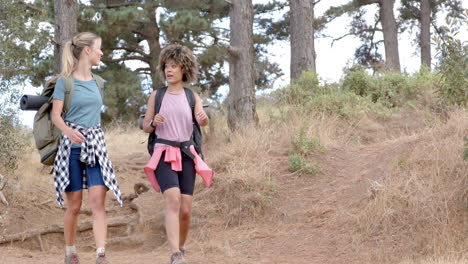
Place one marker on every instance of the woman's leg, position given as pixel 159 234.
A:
pixel 187 185
pixel 185 217
pixel 71 216
pixel 172 199
pixel 97 197
pixel 74 195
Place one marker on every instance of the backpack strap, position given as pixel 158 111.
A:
pixel 100 84
pixel 196 135
pixel 158 99
pixel 191 99
pixel 69 83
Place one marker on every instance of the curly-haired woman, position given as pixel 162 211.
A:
pixel 175 161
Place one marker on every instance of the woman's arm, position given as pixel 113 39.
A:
pixel 75 136
pixel 150 115
pixel 200 115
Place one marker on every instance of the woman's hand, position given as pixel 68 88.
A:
pixel 158 119
pixel 201 117
pixel 75 136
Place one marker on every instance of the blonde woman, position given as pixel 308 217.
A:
pixel 82 160
pixel 175 161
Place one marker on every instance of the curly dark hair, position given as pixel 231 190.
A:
pixel 182 56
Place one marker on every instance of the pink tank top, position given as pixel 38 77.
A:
pixel 178 124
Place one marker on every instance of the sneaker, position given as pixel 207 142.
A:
pixel 101 259
pixel 182 250
pixel 72 259
pixel 178 258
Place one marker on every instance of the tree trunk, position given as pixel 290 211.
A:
pixel 425 37
pixel 241 100
pixel 302 37
pixel 65 27
pixel 390 35
pixel 314 55
pixel 154 46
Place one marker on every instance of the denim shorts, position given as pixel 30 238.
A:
pixel 77 170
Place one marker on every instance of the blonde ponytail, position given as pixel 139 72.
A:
pixel 68 60
pixel 72 51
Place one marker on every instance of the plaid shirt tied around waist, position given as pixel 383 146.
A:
pixel 93 150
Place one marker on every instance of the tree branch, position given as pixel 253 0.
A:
pixel 126 58
pixel 143 70
pixel 367 2
pixel 355 33
pixel 113 5
pixel 30 6
pixel 142 53
pixel 233 51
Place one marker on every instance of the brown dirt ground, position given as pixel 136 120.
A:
pixel 311 220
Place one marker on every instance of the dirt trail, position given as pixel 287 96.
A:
pixel 312 219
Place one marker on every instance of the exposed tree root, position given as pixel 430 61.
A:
pixel 129 221
pixel 58 228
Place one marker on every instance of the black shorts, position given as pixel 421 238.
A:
pixel 184 180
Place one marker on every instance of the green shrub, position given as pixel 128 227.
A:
pixel 302 144
pixel 301 89
pixel 297 163
pixel 390 89
pixel 360 83
pixel 309 95
pixel 453 65
pixel 11 142
pixel 343 103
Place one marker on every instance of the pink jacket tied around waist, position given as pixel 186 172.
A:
pixel 174 156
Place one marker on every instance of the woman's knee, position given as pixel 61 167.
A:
pixel 185 212
pixel 173 203
pixel 74 207
pixel 97 204
pixel 97 198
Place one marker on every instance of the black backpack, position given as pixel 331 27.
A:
pixel 196 134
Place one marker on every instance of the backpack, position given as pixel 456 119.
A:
pixel 196 134
pixel 45 133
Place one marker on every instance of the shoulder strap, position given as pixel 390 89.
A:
pixel 69 83
pixel 100 83
pixel 191 98
pixel 158 99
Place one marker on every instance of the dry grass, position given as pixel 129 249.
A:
pixel 125 139
pixel 421 208
pixel 419 211
pixel 246 162
pixel 439 260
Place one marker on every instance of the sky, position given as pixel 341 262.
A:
pixel 330 59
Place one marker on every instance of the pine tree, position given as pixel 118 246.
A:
pixel 65 12
pixel 22 42
pixel 241 100
pixel 423 13
pixel 302 37
pixel 367 54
